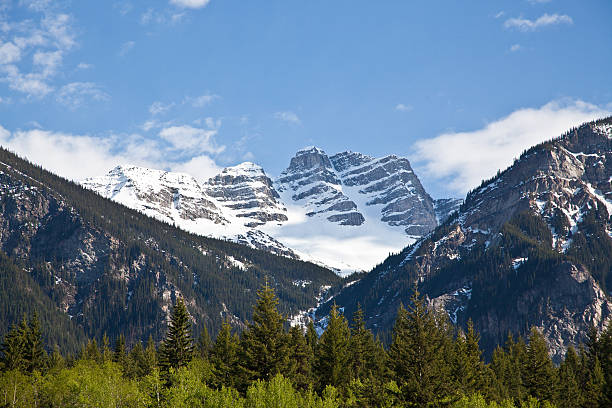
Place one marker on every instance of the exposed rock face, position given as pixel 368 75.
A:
pixel 531 247
pixel 164 194
pixel 345 196
pixel 249 192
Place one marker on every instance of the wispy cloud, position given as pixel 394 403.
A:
pixel 76 94
pixel 158 108
pixel 202 100
pixel 84 65
pixel 515 47
pixel 525 24
pixel 126 47
pixel 288 116
pixel 400 107
pixel 192 4
pixel 33 56
pixel 189 138
pixel 539 1
pixel 500 14
pixel 463 159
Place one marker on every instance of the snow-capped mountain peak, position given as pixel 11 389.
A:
pixel 347 211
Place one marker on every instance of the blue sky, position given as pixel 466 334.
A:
pixel 195 85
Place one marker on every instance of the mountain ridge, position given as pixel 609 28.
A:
pixel 375 202
pixel 531 246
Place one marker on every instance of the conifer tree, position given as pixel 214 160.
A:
pixel 119 352
pixel 13 350
pixel 300 359
pixel 204 344
pixel 177 348
pixel 332 357
pixel 417 355
pixel 312 338
pixel 539 372
pixel 150 355
pixel 35 354
pixel 569 394
pixel 366 359
pixel 264 342
pixel 224 357
pixel 469 368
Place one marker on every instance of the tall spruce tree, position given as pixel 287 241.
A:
pixel 469 367
pixel 177 348
pixel 300 359
pixel 264 342
pixel 569 394
pixel 539 371
pixel 13 350
pixel 332 356
pixel 418 355
pixel 366 359
pixel 224 357
pixel 35 353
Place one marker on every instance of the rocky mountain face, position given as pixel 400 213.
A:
pixel 316 210
pixel 90 266
pixel 530 247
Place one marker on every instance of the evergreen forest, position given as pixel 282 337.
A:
pixel 428 363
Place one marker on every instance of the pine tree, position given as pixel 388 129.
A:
pixel 35 354
pixel 312 338
pixel 539 372
pixel 224 357
pixel 469 370
pixel 605 345
pixel 332 357
pixel 300 359
pixel 569 394
pixel 204 344
pixel 14 350
pixel 366 359
pixel 119 352
pixel 150 355
pixel 177 349
pixel 264 342
pixel 417 355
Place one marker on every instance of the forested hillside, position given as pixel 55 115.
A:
pixel 428 363
pixel 532 246
pixel 93 267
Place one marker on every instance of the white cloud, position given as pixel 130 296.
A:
pixel 80 156
pixel 84 65
pixel 46 36
pixel 9 53
pixel 48 61
pixel 202 100
pixel 193 4
pixel 524 24
pixel 76 94
pixel 499 15
pixel 158 108
pixel 400 107
pixel 463 159
pixel 538 1
pixel 201 167
pixel 288 116
pixel 515 47
pixel 126 47
pixel 189 138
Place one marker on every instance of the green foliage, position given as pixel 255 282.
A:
pixel 332 361
pixel 177 349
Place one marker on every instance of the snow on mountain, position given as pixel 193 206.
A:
pixel 347 211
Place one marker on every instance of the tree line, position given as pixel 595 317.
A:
pixel 428 363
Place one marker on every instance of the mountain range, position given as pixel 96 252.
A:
pixel 531 246
pixel 347 211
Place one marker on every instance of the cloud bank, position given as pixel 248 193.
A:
pixel 178 148
pixel 461 160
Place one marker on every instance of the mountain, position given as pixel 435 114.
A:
pixel 530 247
pixel 90 266
pixel 347 211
